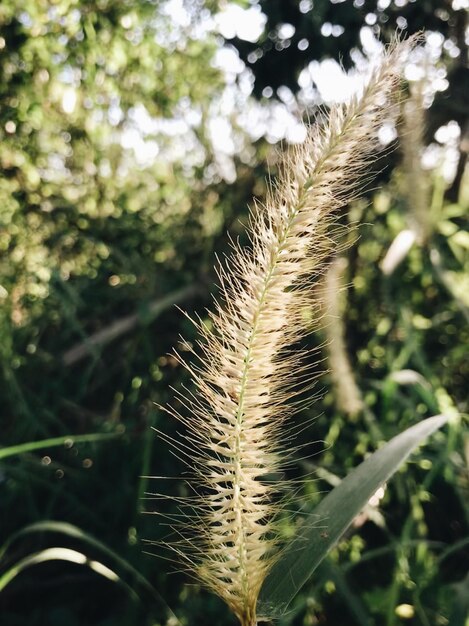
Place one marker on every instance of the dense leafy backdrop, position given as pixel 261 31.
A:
pixel 113 202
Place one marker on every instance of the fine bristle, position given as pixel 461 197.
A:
pixel 245 373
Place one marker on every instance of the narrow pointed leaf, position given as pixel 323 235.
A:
pixel 334 515
pixel 61 554
pixel 54 442
pixel 122 569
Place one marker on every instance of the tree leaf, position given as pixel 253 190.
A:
pixel 334 515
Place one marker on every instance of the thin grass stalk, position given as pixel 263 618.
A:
pixel 348 397
pixel 245 370
pixel 417 182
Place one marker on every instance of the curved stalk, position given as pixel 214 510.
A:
pixel 247 372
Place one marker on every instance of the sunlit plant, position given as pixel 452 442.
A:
pixel 246 371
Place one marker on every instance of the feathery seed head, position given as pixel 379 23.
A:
pixel 246 375
pixel 416 180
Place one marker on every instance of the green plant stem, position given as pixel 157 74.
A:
pixel 54 442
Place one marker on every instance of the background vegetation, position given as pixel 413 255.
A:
pixel 132 139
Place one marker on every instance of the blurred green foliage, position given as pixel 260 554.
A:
pixel 109 213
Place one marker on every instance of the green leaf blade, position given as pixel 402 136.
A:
pixel 117 569
pixel 54 442
pixel 334 515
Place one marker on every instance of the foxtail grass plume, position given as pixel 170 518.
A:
pixel 348 399
pixel 416 182
pixel 246 372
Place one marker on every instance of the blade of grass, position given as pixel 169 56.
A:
pixel 333 516
pixel 61 554
pixel 75 533
pixel 31 446
pixel 438 467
